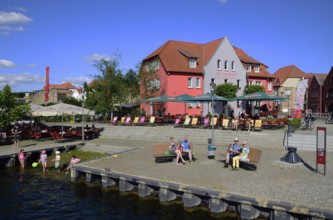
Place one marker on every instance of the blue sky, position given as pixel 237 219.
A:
pixel 68 35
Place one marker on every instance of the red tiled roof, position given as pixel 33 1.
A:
pixel 246 59
pixel 175 55
pixel 66 85
pixel 289 72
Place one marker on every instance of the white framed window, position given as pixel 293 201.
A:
pixel 258 83
pixel 218 64
pixel 189 83
pixel 238 81
pixel 269 86
pixel 250 82
pixel 226 65
pixel 225 80
pixel 197 82
pixel 256 68
pixel 193 104
pixel 233 68
pixel 248 67
pixel 193 63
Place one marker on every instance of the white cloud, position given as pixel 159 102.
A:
pixel 12 21
pixel 13 18
pixel 6 64
pixel 20 80
pixel 96 57
pixel 17 8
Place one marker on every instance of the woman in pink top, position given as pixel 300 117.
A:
pixel 74 160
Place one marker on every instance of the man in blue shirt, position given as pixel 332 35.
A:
pixel 233 151
pixel 186 148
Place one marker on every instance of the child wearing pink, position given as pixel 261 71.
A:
pixel 43 160
pixel 74 160
pixel 21 156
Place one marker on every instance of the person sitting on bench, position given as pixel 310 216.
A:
pixel 175 150
pixel 233 151
pixel 186 148
pixel 244 156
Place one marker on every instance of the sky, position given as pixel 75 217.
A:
pixel 71 35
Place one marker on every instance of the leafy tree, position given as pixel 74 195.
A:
pixel 108 87
pixel 254 88
pixel 72 101
pixel 227 90
pixel 132 84
pixel 10 110
pixel 149 80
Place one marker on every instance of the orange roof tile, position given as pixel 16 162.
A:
pixel 289 72
pixel 175 55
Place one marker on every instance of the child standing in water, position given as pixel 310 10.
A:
pixel 57 161
pixel 43 160
pixel 74 160
pixel 21 157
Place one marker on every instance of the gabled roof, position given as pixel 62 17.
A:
pixel 175 55
pixel 289 72
pixel 320 77
pixel 245 58
pixel 66 85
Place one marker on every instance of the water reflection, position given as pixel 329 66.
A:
pixel 27 194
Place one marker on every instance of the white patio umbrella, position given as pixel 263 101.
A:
pixel 62 109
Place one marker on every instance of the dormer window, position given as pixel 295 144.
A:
pixel 248 67
pixel 193 63
pixel 256 68
pixel 226 65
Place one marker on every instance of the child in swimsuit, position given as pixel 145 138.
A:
pixel 21 157
pixel 43 160
pixel 57 161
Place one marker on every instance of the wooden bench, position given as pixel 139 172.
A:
pixel 254 158
pixel 160 156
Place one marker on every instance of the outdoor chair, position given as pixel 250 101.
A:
pixel 122 121
pixel 152 120
pixel 213 121
pixel 135 121
pixel 225 124
pixel 114 120
pixel 187 122
pixel 142 120
pixel 128 120
pixel 205 123
pixel 176 124
pixel 194 122
pixel 258 125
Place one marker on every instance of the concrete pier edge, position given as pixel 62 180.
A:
pixel 250 207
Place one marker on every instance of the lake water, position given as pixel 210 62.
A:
pixel 29 195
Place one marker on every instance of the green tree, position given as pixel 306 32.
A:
pixel 72 101
pixel 108 87
pixel 131 80
pixel 254 88
pixel 227 90
pixel 149 79
pixel 10 110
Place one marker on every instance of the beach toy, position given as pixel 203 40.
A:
pixel 34 164
pixel 167 152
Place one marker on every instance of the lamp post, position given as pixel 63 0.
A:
pixel 212 90
pixel 287 92
pixel 83 116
